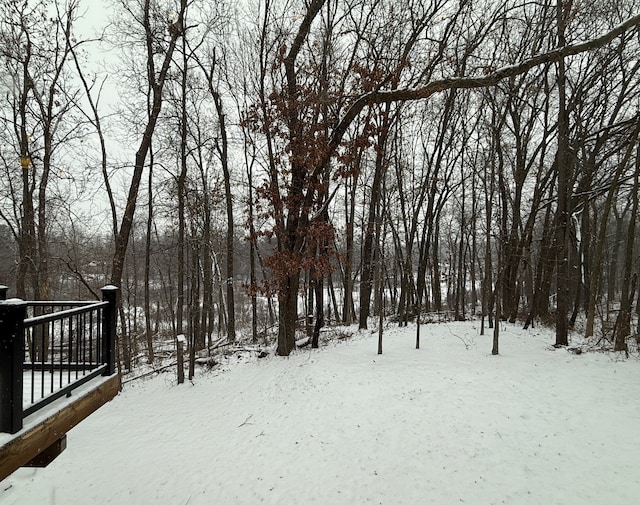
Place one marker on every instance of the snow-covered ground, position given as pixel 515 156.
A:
pixel 446 424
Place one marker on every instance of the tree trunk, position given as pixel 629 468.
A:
pixel 157 85
pixel 319 319
pixel 193 314
pixel 147 266
pixel 435 269
pixel 460 290
pixel 366 276
pixel 288 313
pixel 223 151
pixel 605 210
pixel 623 325
pixel 253 281
pixel 614 254
pixel 487 282
pixel 350 204
pixel 182 198
pixel 564 188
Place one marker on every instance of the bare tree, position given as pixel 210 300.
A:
pixel 156 36
pixel 305 172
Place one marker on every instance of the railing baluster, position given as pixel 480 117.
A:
pixel 79 360
pixel 31 335
pixel 98 345
pixel 46 370
pixel 79 340
pixel 52 359
pixel 70 350
pixel 61 351
pixel 89 328
pixel 92 334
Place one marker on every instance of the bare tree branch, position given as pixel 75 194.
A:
pixel 473 82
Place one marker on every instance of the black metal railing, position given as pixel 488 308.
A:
pixel 49 348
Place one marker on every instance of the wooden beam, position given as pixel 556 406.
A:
pixel 27 444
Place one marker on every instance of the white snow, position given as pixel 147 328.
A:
pixel 446 424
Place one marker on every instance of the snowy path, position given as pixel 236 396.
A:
pixel 443 425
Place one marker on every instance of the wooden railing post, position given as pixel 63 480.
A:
pixel 12 315
pixel 181 339
pixel 109 294
pixel 3 292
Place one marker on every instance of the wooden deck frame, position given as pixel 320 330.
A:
pixel 45 435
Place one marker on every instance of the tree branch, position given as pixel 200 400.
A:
pixel 473 82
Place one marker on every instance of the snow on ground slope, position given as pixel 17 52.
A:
pixel 446 424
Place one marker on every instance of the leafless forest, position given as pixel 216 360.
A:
pixel 255 171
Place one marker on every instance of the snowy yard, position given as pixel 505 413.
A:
pixel 446 424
